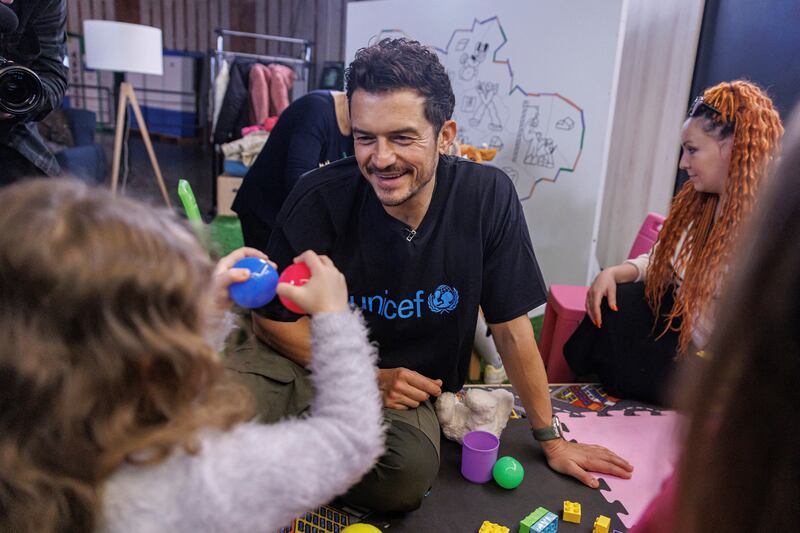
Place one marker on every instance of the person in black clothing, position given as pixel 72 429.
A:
pixel 39 44
pixel 312 131
pixel 424 239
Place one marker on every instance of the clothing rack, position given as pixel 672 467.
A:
pixel 300 62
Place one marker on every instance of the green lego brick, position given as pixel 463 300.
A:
pixel 526 523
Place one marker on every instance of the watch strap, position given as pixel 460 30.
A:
pixel 551 432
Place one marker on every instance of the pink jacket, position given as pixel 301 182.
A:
pixel 660 512
pixel 269 90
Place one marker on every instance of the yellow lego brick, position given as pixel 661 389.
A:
pixel 572 512
pixel 489 527
pixel 601 524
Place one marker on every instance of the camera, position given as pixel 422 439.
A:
pixel 20 88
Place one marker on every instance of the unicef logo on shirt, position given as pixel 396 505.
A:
pixel 443 300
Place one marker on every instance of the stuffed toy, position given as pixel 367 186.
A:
pixel 477 409
pixel 476 154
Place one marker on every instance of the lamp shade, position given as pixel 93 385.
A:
pixel 123 47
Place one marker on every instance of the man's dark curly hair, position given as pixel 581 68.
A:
pixel 395 64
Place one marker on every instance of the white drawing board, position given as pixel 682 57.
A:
pixel 536 79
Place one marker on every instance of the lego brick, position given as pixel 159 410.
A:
pixel 546 524
pixel 601 524
pixel 490 527
pixel 572 512
pixel 526 523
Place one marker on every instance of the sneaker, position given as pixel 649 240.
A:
pixel 494 375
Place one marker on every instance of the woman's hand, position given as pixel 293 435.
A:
pixel 324 292
pixel 603 286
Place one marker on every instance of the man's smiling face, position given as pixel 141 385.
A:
pixel 395 145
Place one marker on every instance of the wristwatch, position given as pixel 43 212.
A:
pixel 551 432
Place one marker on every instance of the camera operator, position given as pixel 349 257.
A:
pixel 32 35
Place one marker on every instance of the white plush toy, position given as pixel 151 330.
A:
pixel 478 410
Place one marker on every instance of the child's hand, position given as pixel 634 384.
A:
pixel 325 292
pixel 225 275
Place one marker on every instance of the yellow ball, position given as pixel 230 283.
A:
pixel 361 528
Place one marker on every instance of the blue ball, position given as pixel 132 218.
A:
pixel 259 289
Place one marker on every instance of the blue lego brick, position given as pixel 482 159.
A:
pixel 546 524
pixel 526 523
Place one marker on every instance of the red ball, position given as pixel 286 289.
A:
pixel 297 274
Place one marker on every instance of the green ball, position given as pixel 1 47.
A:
pixel 508 472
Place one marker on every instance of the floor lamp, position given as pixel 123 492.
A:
pixel 123 47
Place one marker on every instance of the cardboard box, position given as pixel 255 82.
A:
pixel 227 187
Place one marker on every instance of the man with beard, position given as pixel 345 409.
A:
pixel 424 240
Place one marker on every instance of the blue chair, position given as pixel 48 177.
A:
pixel 87 159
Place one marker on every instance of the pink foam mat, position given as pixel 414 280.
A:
pixel 648 441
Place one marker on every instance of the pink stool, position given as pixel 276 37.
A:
pixel 565 310
pixel 566 307
pixel 647 236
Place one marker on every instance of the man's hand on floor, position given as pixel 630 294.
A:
pixel 577 460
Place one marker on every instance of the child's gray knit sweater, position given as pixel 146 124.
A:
pixel 259 477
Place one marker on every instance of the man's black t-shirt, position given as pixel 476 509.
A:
pixel 420 291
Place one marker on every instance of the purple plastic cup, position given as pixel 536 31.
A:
pixel 478 455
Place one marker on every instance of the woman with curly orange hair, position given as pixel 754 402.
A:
pixel 740 442
pixel 635 332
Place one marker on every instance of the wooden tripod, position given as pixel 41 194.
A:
pixel 127 95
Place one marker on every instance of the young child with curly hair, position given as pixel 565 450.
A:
pixel 115 411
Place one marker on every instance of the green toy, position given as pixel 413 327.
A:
pixel 508 472
pixel 189 202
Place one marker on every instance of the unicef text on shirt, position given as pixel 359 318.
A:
pixel 442 300
pixel 384 306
